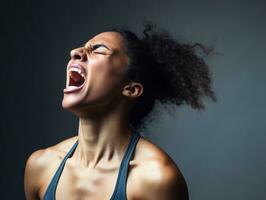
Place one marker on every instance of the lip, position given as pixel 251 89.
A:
pixel 70 89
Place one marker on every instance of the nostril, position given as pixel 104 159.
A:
pixel 76 57
pixel 78 54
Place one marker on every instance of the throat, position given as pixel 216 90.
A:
pixel 102 140
pixel 101 152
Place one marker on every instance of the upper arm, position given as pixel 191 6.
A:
pixel 33 170
pixel 166 183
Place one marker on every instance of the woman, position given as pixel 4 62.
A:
pixel 113 82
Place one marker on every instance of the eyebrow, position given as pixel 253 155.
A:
pixel 96 46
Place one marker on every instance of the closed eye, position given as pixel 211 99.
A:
pixel 96 46
pixel 99 52
pixel 99 49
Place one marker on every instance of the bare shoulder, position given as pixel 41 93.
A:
pixel 40 162
pixel 42 158
pixel 159 177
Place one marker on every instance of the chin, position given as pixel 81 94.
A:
pixel 75 106
pixel 70 102
pixel 65 104
pixel 71 107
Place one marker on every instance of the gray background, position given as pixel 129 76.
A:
pixel 221 151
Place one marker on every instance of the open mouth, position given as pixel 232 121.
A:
pixel 76 79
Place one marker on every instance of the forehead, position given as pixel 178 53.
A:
pixel 111 39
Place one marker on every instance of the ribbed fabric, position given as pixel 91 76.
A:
pixel 120 187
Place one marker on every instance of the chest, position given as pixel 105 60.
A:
pixel 91 184
pixel 79 184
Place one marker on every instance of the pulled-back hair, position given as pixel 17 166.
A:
pixel 169 71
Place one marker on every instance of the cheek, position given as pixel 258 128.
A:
pixel 105 75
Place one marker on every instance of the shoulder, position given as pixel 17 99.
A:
pixel 158 175
pixel 42 158
pixel 40 162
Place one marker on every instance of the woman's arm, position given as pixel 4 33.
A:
pixel 163 181
pixel 33 170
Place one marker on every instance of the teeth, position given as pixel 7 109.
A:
pixel 77 70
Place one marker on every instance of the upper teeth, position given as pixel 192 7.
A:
pixel 77 70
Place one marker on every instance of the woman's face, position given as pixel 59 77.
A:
pixel 95 73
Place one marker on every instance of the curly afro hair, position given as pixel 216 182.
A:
pixel 169 71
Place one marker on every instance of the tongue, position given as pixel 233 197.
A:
pixel 76 79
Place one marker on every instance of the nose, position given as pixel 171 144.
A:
pixel 79 54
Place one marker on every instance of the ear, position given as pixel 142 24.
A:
pixel 133 90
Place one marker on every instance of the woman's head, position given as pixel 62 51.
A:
pixel 96 76
pixel 160 69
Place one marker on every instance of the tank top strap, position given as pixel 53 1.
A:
pixel 120 188
pixel 50 192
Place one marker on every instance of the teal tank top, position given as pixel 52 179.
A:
pixel 120 187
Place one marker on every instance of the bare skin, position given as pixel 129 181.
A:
pixel 103 106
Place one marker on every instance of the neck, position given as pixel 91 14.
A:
pixel 102 139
